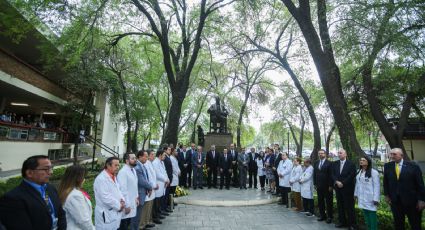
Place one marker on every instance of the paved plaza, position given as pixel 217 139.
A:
pixel 213 215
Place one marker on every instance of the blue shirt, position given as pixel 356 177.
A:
pixel 42 190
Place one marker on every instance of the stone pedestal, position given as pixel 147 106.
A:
pixel 220 140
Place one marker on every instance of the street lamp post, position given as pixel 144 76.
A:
pixel 97 119
pixel 288 139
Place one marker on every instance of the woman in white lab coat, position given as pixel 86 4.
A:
pixel 296 172
pixel 284 173
pixel 76 202
pixel 367 192
pixel 162 181
pixel 261 170
pixel 306 182
pixel 109 200
pixel 176 171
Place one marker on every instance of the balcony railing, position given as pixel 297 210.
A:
pixel 15 132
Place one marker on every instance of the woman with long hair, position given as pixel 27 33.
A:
pixel 367 191
pixel 261 171
pixel 76 202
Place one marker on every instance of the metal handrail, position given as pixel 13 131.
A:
pixel 103 146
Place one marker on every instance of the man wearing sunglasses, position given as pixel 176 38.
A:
pixel 34 204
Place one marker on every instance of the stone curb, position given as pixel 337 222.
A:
pixel 226 203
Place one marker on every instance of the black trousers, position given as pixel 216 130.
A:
pixel 225 177
pixel 284 191
pixel 182 178
pixel 235 175
pixel 212 173
pixel 308 205
pixel 345 205
pixel 166 199
pixel 400 211
pixel 252 175
pixel 262 181
pixel 156 208
pixel 325 197
pixel 125 223
pixel 188 176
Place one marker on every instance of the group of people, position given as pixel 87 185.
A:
pixel 140 194
pixel 25 120
pixel 402 181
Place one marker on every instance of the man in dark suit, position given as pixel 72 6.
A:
pixel 323 183
pixel 198 161
pixel 34 204
pixel 404 190
pixel 234 154
pixel 252 168
pixel 181 158
pixel 225 165
pixel 188 164
pixel 278 157
pixel 212 163
pixel 343 180
pixel 169 169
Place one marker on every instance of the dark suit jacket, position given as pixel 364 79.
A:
pixel 347 176
pixel 277 160
pixel 195 162
pixel 252 165
pixel 409 188
pixel 23 208
pixel 168 167
pixel 181 159
pixel 212 162
pixel 223 164
pixel 235 158
pixel 323 176
pixel 189 158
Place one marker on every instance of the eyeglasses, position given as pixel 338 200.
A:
pixel 50 168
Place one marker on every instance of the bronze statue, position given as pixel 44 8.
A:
pixel 218 117
pixel 201 139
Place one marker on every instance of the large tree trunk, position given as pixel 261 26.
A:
pixel 239 125
pixel 302 131
pixel 80 127
pixel 310 109
pixel 172 128
pixel 328 138
pixel 126 109
pixel 134 143
pixel 322 54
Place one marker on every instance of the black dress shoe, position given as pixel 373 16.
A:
pixel 321 219
pixel 209 187
pixel 194 188
pixel 201 187
pixel 168 210
pixel 329 220
pixel 161 217
pixel 255 188
pixel 157 221
pixel 164 214
pixel 149 226
pixel 340 225
pixel 228 188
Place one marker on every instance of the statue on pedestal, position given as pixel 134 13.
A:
pixel 201 139
pixel 218 117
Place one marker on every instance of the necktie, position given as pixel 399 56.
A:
pixel 397 170
pixel 199 157
pixel 213 154
pixel 321 163
pixel 225 157
pixel 342 165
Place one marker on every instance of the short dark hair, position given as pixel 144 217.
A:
pixel 31 163
pixel 126 156
pixel 159 153
pixel 109 161
pixel 323 151
pixel 141 153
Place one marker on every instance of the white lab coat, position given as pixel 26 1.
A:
pixel 367 190
pixel 152 179
pixel 307 183
pixel 108 196
pixel 161 176
pixel 260 164
pixel 295 178
pixel 128 187
pixel 78 211
pixel 176 171
pixel 284 169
